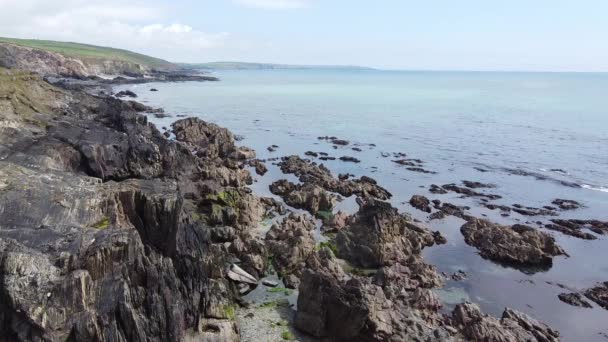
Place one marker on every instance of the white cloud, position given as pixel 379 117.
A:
pixel 136 26
pixel 275 4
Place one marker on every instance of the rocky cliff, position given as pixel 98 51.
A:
pixel 47 63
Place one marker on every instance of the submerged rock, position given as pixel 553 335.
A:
pixel 565 204
pixel 599 295
pixel 574 299
pixel 517 244
pixel 125 93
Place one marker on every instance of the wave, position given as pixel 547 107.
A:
pixel 596 188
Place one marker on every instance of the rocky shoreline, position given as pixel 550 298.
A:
pixel 111 231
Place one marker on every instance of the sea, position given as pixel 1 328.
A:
pixel 536 136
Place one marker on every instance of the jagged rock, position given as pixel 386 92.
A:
pixel 103 235
pixel 565 204
pixel 437 189
pixel 308 196
pixel 378 235
pixel 599 294
pixel 290 243
pixel 518 244
pixel 477 185
pixel 349 159
pixel 336 222
pixel 213 141
pixel 468 192
pixel 596 226
pixel 421 203
pixel 125 93
pixel 513 326
pixel 309 172
pixel 259 166
pixel 574 299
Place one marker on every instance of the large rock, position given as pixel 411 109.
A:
pixel 308 196
pixel 513 326
pixel 290 244
pixel 517 244
pixel 378 235
pixel 309 172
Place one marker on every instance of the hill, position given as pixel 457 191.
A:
pixel 86 51
pixel 266 66
pixel 47 57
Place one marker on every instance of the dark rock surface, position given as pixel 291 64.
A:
pixel 108 231
pixel 125 93
pixel 309 172
pixel 378 235
pixel 517 244
pixel 513 326
pixel 308 196
pixel 574 299
pixel 599 295
pixel 565 204
pixel 421 203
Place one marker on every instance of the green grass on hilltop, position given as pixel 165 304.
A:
pixel 85 51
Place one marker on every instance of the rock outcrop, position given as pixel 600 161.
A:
pixel 378 235
pixel 108 231
pixel 517 244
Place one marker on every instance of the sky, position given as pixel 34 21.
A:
pixel 514 35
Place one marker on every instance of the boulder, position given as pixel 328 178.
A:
pixel 517 244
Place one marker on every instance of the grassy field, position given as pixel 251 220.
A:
pixel 85 51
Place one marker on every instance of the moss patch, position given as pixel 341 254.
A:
pixel 230 312
pixel 324 215
pixel 287 335
pixel 330 245
pixel 102 224
pixel 285 291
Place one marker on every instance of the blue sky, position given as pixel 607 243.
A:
pixel 542 35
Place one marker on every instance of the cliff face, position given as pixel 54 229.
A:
pixel 52 63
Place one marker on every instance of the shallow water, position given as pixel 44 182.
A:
pixel 456 123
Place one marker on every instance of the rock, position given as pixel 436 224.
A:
pixel 437 189
pixel 573 230
pixel 125 93
pixel 518 244
pixel 311 154
pixel 308 196
pixel 468 192
pixel 211 140
pixel 599 295
pixel 421 203
pixel 378 235
pixel 356 149
pixel 532 211
pixel 574 299
pixel 349 159
pixel 259 166
pixel 331 306
pixel 114 221
pixel 596 226
pixel 477 185
pixel 237 274
pixel 449 209
pixel 336 222
pixel 290 243
pixel 153 89
pixel 564 204
pixel 308 172
pixel 513 326
pixel 270 283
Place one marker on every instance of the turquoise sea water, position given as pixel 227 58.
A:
pixel 553 127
